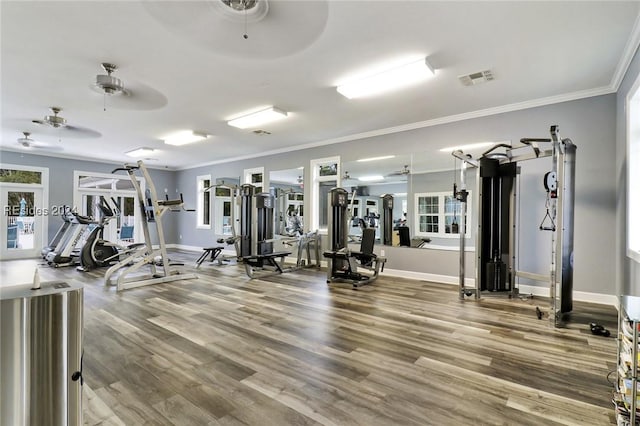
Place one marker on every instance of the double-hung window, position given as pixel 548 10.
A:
pixel 438 215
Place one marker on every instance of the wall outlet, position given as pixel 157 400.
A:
pixel 382 253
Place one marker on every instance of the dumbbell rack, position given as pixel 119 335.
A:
pixel 626 387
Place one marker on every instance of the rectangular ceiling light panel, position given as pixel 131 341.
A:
pixel 140 152
pixel 258 118
pixel 468 146
pixel 370 178
pixel 390 79
pixel 184 137
pixel 385 157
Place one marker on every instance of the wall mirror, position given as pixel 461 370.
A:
pixel 225 206
pixel 368 179
pixel 433 213
pixel 287 187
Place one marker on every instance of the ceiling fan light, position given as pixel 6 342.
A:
pixel 109 84
pixel 55 121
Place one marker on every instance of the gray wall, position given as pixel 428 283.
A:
pixel 61 183
pixel 590 123
pixel 627 270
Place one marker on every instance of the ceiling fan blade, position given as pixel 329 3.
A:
pixel 50 148
pixel 79 132
pixel 136 96
pixel 42 128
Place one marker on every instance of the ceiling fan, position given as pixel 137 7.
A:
pixel 405 171
pixel 346 176
pixel 27 142
pixel 135 96
pixel 57 125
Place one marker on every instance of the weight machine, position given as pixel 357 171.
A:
pixel 153 210
pixel 256 233
pixel 344 263
pixel 496 178
pixel 386 220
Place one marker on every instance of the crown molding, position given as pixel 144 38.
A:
pixel 627 56
pixel 80 158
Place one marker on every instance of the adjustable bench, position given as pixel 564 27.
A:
pixel 213 251
pixel 268 260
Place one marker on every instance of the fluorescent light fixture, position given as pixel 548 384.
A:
pixel 400 194
pixel 258 118
pixel 393 78
pixel 370 178
pixel 140 152
pixel 362 160
pixel 184 137
pixel 468 146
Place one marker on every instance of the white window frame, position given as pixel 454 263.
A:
pixel 441 216
pixel 632 108
pixel 200 184
pixel 79 191
pixel 314 208
pixel 248 173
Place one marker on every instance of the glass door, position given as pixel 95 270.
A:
pixel 21 232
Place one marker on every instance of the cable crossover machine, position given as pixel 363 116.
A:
pixel 126 273
pixel 496 177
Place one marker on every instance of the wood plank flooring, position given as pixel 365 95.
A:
pixel 291 350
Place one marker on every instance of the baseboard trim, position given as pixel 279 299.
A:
pixel 580 296
pixel 425 276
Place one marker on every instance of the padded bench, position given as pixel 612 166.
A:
pixel 262 260
pixel 214 252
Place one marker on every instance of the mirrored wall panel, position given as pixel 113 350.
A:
pixel 224 204
pixel 287 187
pixel 369 179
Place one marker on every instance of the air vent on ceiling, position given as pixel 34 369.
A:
pixel 476 78
pixel 261 132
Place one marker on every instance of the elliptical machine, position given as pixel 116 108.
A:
pixel 98 252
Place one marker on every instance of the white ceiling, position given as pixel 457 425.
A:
pixel 189 67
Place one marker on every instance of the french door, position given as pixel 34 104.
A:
pixel 22 228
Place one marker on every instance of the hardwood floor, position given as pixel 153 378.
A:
pixel 290 349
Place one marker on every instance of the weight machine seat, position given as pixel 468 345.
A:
pixel 260 260
pixel 366 258
pixel 213 251
pixel 170 202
